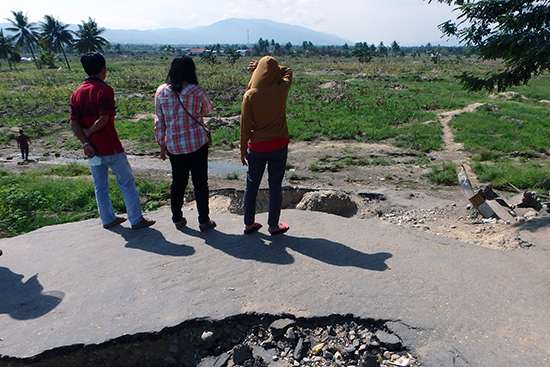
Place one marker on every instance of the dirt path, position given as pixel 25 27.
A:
pixel 453 151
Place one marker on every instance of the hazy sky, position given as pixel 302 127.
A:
pixel 409 22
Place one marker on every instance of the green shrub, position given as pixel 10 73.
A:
pixel 443 175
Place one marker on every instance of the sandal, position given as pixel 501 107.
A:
pixel 145 222
pixel 117 220
pixel 283 227
pixel 256 226
pixel 208 225
pixel 181 223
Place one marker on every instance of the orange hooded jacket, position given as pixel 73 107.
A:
pixel 263 111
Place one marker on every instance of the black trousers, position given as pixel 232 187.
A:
pixel 195 163
pixel 25 153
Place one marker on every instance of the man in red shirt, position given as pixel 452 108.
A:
pixel 92 120
pixel 23 142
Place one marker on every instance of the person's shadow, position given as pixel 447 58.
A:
pixel 25 300
pixel 151 240
pixel 272 249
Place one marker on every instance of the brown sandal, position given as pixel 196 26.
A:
pixel 117 220
pixel 208 225
pixel 145 222
pixel 181 223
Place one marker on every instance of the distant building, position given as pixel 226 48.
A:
pixel 195 51
pixel 243 53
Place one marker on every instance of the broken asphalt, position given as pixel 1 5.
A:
pixel 451 303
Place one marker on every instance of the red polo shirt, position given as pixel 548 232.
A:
pixel 91 100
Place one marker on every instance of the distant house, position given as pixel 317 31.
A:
pixel 243 53
pixel 195 51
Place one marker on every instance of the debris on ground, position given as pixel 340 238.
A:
pixel 247 340
pixel 490 205
pixel 286 342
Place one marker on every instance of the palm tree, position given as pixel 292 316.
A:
pixel 26 33
pixel 7 48
pixel 55 36
pixel 89 38
pixel 362 52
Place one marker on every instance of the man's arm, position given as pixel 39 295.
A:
pixel 89 150
pixel 98 125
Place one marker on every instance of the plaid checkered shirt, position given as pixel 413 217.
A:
pixel 174 128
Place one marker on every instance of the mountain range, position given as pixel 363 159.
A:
pixel 227 31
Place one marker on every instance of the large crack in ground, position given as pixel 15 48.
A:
pixel 250 340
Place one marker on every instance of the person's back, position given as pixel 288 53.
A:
pixel 264 104
pixel 22 139
pixel 91 100
pixel 23 142
pixel 92 121
pixel 264 139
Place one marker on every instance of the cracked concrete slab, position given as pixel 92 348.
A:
pixel 451 303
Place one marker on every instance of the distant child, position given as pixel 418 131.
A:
pixel 23 142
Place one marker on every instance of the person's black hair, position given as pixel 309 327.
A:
pixel 93 62
pixel 21 131
pixel 182 70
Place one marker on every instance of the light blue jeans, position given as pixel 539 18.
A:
pixel 118 163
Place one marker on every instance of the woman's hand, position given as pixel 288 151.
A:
pixel 244 160
pixel 252 66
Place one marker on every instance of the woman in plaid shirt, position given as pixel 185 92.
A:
pixel 181 134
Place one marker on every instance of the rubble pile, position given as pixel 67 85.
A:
pixel 418 217
pixel 289 342
pixel 248 340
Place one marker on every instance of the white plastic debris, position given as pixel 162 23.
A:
pixel 402 362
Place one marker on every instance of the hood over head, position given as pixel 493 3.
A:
pixel 266 73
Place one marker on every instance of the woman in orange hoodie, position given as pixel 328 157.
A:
pixel 264 139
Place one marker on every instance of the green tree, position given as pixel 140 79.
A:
pixel 372 49
pixel 209 56
pixel 26 34
pixel 232 57
pixel 55 36
pixel 47 58
pixel 261 48
pixel 345 49
pixel 395 49
pixel 288 48
pixel 382 50
pixel 516 31
pixel 7 47
pixel 362 52
pixel 88 37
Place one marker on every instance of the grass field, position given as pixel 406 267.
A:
pixel 387 100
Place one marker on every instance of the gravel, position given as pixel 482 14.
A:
pixel 248 340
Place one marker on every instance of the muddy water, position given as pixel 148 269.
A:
pixel 217 167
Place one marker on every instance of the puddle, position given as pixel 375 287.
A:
pixel 220 168
pixel 224 168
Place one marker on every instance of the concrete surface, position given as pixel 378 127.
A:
pixel 452 304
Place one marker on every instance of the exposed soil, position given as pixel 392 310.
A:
pixel 391 182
